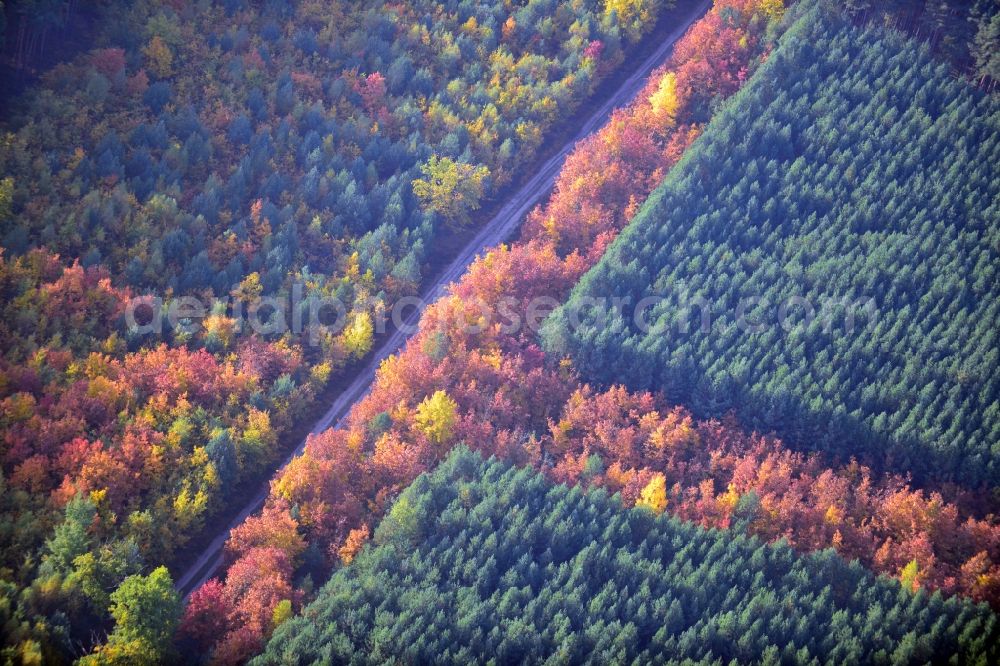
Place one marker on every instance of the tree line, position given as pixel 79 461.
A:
pixel 479 560
pixel 450 384
pixel 494 390
pixel 226 150
pixel 854 168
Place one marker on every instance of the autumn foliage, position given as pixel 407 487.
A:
pixel 497 392
pixel 224 152
pixel 64 431
pixel 718 476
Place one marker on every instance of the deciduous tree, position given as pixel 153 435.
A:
pixel 451 189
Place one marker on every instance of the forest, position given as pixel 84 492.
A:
pixel 238 150
pixel 479 560
pixel 847 201
pixel 497 392
pixel 230 151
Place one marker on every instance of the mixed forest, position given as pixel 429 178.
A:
pixel 848 202
pixel 482 561
pixel 617 492
pixel 231 151
pixel 498 391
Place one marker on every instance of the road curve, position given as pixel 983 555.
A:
pixel 498 230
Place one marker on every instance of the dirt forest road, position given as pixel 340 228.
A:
pixel 498 230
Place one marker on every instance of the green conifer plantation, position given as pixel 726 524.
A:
pixel 852 166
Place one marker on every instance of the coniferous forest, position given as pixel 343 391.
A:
pixel 711 380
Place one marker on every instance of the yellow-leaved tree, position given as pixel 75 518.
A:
pixel 664 101
pixel 654 495
pixel 281 613
pixel 773 10
pixel 909 576
pixel 634 16
pixel 357 337
pixel 451 189
pixel 258 439
pixel 436 416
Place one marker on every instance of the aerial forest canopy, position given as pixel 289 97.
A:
pixel 157 146
pixel 811 478
pixel 853 178
pixel 479 560
pixel 227 151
